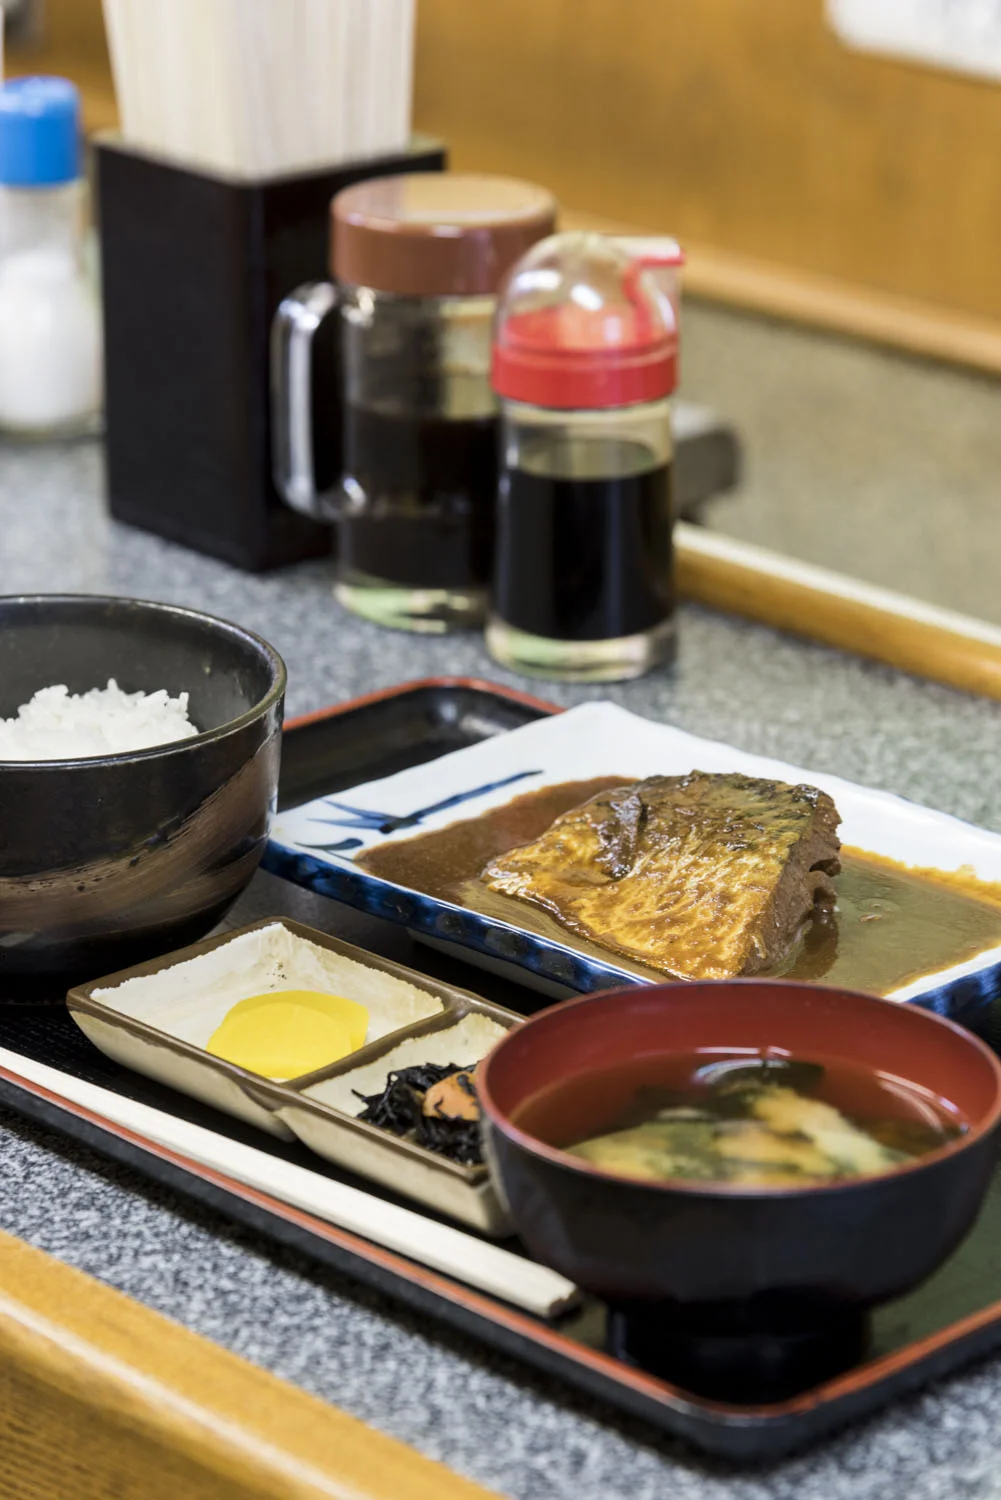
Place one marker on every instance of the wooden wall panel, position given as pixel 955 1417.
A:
pixel 740 124
pixel 73 44
pixel 856 192
pixel 76 27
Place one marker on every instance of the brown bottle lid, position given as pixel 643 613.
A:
pixel 436 234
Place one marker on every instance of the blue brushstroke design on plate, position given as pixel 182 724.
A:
pixel 385 823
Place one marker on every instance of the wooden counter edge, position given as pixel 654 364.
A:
pixel 99 1396
pixel 835 610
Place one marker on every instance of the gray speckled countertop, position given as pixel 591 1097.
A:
pixel 483 1415
pixel 859 459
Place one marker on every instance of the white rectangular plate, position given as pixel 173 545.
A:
pixel 317 845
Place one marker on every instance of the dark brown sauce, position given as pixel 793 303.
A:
pixel 586 559
pixel 429 487
pixel 893 924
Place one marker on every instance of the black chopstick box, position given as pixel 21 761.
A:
pixel 194 266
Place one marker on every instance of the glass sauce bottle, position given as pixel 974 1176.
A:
pixel 584 360
pixel 417 261
pixel 50 325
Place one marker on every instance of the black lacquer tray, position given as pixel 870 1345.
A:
pixel 952 1319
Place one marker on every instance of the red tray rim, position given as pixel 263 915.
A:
pixel 422 684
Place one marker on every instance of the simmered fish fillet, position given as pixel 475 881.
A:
pixel 702 876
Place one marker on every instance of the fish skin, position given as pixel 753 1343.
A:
pixel 694 876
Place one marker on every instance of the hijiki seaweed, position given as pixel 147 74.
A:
pixel 400 1108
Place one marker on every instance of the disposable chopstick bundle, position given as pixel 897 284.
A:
pixel 258 88
pixel 118 22
pixel 487 1267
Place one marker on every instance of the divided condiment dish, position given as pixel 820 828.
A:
pixel 158 1016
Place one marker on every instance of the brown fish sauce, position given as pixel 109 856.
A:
pixel 893 923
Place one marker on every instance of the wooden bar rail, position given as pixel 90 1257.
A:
pixel 101 1398
pixel 822 606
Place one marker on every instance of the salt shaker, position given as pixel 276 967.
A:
pixel 50 340
pixel 584 360
pixel 417 261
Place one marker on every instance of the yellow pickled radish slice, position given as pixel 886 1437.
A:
pixel 289 1032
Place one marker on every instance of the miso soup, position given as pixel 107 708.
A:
pixel 744 1117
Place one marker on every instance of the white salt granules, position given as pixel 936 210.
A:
pixel 60 725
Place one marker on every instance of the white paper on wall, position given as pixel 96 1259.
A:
pixel 960 35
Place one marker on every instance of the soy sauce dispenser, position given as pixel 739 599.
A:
pixel 584 360
pixel 417 261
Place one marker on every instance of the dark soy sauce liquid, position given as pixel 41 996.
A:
pixel 586 558
pixel 430 487
pixel 897 1111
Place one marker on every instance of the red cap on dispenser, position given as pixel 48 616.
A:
pixel 581 326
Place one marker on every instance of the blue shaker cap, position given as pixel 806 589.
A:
pixel 39 132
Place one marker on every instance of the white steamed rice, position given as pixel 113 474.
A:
pixel 60 725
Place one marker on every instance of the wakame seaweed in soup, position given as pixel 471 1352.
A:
pixel 757 1120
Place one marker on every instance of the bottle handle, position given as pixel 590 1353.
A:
pixel 295 325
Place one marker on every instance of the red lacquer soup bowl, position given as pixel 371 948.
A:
pixel 720 1254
